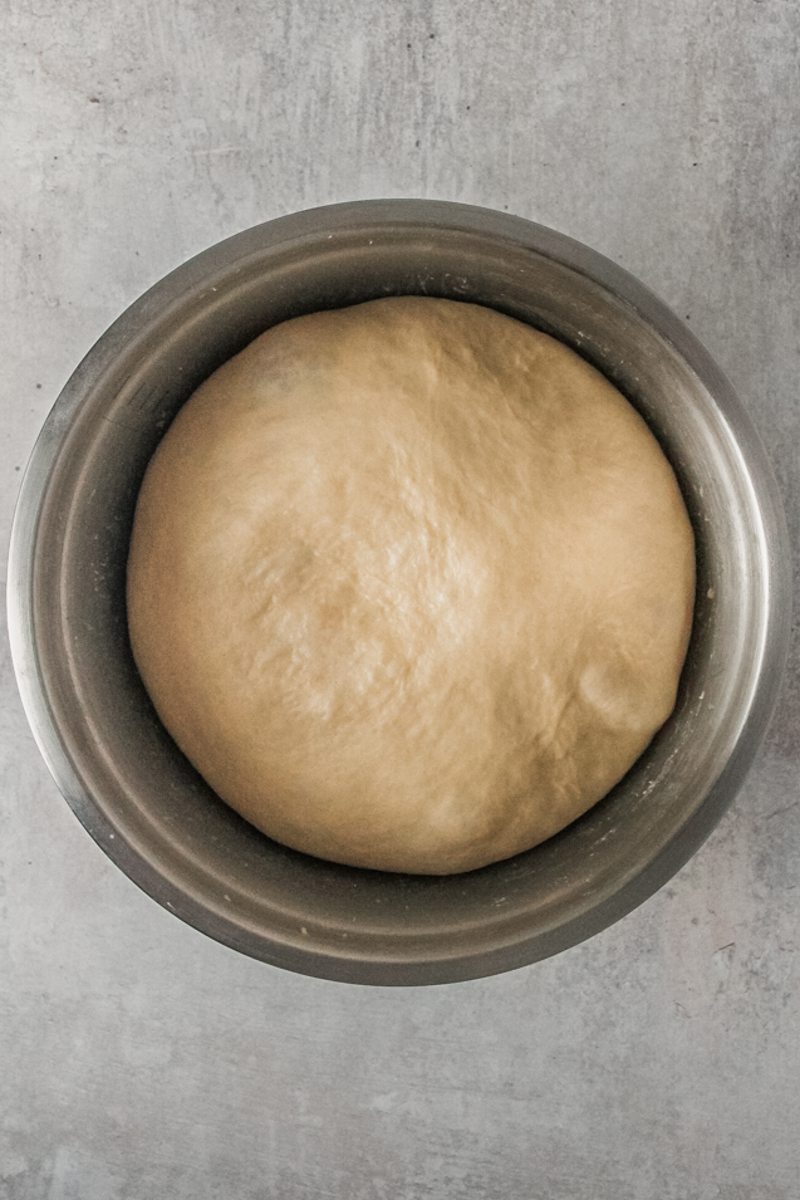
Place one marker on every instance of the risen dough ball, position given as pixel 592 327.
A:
pixel 410 584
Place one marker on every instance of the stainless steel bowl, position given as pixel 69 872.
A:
pixel 141 800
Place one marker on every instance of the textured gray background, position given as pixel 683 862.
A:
pixel 139 1061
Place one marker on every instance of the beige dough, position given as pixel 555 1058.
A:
pixel 410 584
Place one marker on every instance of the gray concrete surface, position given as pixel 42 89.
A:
pixel 139 1061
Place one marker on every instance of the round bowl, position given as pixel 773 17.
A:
pixel 138 796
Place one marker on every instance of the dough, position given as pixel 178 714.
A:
pixel 410 584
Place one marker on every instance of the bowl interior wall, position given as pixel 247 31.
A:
pixel 150 796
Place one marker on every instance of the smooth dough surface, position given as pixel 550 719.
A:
pixel 410 584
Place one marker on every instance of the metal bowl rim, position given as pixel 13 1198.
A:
pixel 441 215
